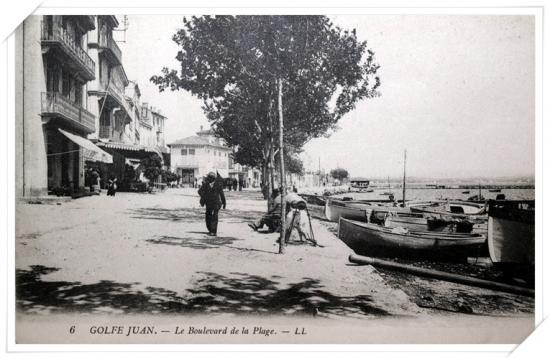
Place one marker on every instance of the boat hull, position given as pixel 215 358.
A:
pixel 373 240
pixel 511 232
pixel 334 210
pixel 360 210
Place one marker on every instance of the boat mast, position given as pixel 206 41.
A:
pixel 404 174
pixel 479 192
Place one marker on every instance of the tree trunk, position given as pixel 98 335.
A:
pixel 282 169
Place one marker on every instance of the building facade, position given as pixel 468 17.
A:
pixel 53 114
pixel 193 157
pixel 73 108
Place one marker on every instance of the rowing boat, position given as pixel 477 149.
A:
pixel 375 240
pixel 511 233
pixel 359 210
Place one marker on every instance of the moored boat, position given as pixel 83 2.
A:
pixel 511 232
pixel 449 207
pixel 375 240
pixel 334 209
pixel 314 199
pixel 360 210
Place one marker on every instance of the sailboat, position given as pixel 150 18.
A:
pixel 389 192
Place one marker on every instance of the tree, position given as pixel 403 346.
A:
pixel 339 173
pixel 152 166
pixel 253 71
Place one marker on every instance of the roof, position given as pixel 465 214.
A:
pixel 359 179
pixel 196 141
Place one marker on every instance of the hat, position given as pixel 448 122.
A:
pixel 211 175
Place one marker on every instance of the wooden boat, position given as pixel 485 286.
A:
pixel 465 192
pixel 449 207
pixel 314 199
pixel 409 221
pixel 359 210
pixel 511 232
pixel 334 209
pixel 433 222
pixel 374 240
pixel 495 190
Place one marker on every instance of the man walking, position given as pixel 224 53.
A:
pixel 211 193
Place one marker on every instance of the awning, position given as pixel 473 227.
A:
pixel 91 151
pixel 134 162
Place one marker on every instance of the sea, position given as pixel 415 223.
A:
pixel 427 194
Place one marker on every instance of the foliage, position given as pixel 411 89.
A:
pixel 168 176
pixel 152 167
pixel 233 63
pixel 339 173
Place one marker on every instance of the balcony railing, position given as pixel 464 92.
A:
pixel 56 105
pixel 186 162
pixel 111 45
pixel 53 34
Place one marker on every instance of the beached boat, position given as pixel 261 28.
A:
pixel 495 190
pixel 449 207
pixel 314 199
pixel 511 232
pixel 409 221
pixel 334 209
pixel 375 240
pixel 465 192
pixel 360 210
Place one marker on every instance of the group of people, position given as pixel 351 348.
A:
pixel 92 180
pixel 297 216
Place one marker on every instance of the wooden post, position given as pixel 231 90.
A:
pixel 282 168
pixel 404 168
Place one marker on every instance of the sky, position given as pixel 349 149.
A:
pixel 458 93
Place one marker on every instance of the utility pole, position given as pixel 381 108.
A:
pixel 283 184
pixel 319 172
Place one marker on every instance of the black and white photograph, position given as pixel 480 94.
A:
pixel 353 178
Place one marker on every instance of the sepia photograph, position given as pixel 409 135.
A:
pixel 275 179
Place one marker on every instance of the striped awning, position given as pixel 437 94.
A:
pixel 91 151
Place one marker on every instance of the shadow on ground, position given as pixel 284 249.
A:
pixel 239 293
pixel 205 242
pixel 188 215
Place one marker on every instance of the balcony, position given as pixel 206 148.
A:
pixel 104 131
pixel 185 162
pixel 57 39
pixel 57 106
pixel 109 47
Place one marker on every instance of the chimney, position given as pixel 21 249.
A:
pixel 201 127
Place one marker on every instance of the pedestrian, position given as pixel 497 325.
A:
pixel 95 180
pixel 235 182
pixel 111 187
pixel 211 196
pixel 240 184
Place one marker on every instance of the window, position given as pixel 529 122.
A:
pixel 184 151
pixel 191 152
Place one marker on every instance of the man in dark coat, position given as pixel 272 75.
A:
pixel 211 193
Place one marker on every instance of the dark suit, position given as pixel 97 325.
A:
pixel 212 196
